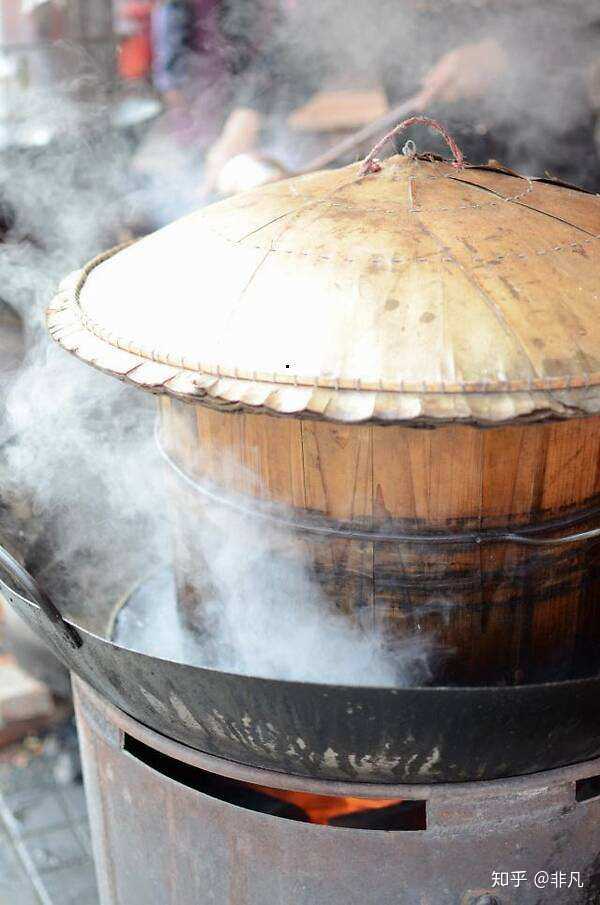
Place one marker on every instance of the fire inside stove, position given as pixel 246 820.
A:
pixel 391 814
pixel 328 809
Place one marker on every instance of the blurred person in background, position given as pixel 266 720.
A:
pixel 509 79
pixel 172 150
pixel 175 31
pixel 199 48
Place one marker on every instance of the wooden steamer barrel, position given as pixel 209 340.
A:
pixel 388 373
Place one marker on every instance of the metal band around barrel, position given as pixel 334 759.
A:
pixel 487 537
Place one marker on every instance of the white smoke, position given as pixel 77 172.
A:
pixel 75 447
pixel 264 613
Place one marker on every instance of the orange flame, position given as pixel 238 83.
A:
pixel 324 808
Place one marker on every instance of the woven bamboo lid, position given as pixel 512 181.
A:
pixel 420 292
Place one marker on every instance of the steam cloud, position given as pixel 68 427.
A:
pixel 76 449
pixel 263 614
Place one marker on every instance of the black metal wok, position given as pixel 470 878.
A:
pixel 374 735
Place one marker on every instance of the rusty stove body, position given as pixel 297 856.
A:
pixel 171 825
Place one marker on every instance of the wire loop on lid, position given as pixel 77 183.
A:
pixel 372 164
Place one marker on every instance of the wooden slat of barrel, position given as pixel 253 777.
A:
pixel 338 470
pixel 421 480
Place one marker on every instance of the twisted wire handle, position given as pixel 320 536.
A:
pixel 372 164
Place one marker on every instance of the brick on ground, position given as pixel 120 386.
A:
pixel 26 705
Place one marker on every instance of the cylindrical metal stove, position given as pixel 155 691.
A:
pixel 171 826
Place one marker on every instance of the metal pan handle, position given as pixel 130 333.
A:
pixel 22 577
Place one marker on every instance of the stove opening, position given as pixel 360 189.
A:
pixel 587 789
pixel 391 814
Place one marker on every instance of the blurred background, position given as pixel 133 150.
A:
pixel 117 116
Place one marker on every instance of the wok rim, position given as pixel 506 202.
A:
pixel 316 686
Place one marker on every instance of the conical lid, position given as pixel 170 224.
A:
pixel 420 292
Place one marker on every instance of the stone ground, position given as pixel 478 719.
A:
pixel 45 849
